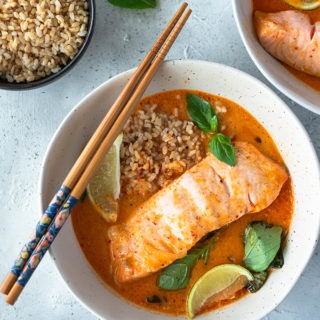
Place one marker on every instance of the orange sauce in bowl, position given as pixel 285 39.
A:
pixel 279 5
pixel 92 231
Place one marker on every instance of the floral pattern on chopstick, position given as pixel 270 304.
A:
pixel 46 241
pixel 40 229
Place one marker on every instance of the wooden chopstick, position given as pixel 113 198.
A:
pixel 90 169
pixel 84 158
pixel 128 109
pixel 122 99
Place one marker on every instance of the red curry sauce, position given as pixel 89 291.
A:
pixel 92 231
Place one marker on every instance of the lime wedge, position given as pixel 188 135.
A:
pixel 104 188
pixel 219 283
pixel 303 4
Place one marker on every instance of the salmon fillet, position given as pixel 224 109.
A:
pixel 205 198
pixel 290 37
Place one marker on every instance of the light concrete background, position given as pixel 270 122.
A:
pixel 29 119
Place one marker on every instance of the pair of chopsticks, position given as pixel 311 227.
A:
pixel 89 160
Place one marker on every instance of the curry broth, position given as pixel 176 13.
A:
pixel 279 5
pixel 92 231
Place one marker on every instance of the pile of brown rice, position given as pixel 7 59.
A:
pixel 38 37
pixel 156 149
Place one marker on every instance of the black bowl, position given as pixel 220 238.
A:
pixel 4 84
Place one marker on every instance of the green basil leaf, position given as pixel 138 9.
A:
pixel 214 123
pixel 262 243
pixel 190 259
pixel 221 146
pixel 205 256
pixel 202 113
pixel 278 261
pixel 175 276
pixel 258 281
pixel 134 4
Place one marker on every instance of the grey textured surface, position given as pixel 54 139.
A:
pixel 29 119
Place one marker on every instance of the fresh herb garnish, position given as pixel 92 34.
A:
pixel 177 275
pixel 262 243
pixel 202 113
pixel 205 118
pixel 258 281
pixel 134 4
pixel 262 251
pixel 278 261
pixel 221 146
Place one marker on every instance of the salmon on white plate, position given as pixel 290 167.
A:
pixel 205 198
pixel 290 37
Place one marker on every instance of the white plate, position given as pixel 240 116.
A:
pixel 271 68
pixel 262 103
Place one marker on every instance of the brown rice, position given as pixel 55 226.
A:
pixel 156 149
pixel 38 37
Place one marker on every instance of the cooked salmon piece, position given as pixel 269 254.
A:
pixel 290 37
pixel 206 197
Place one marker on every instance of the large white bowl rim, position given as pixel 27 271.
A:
pixel 290 137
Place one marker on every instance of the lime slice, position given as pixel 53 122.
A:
pixel 303 4
pixel 104 188
pixel 219 283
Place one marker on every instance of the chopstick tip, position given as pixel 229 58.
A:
pixel 14 294
pixel 8 283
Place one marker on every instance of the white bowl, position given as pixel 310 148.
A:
pixel 271 68
pixel 264 105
